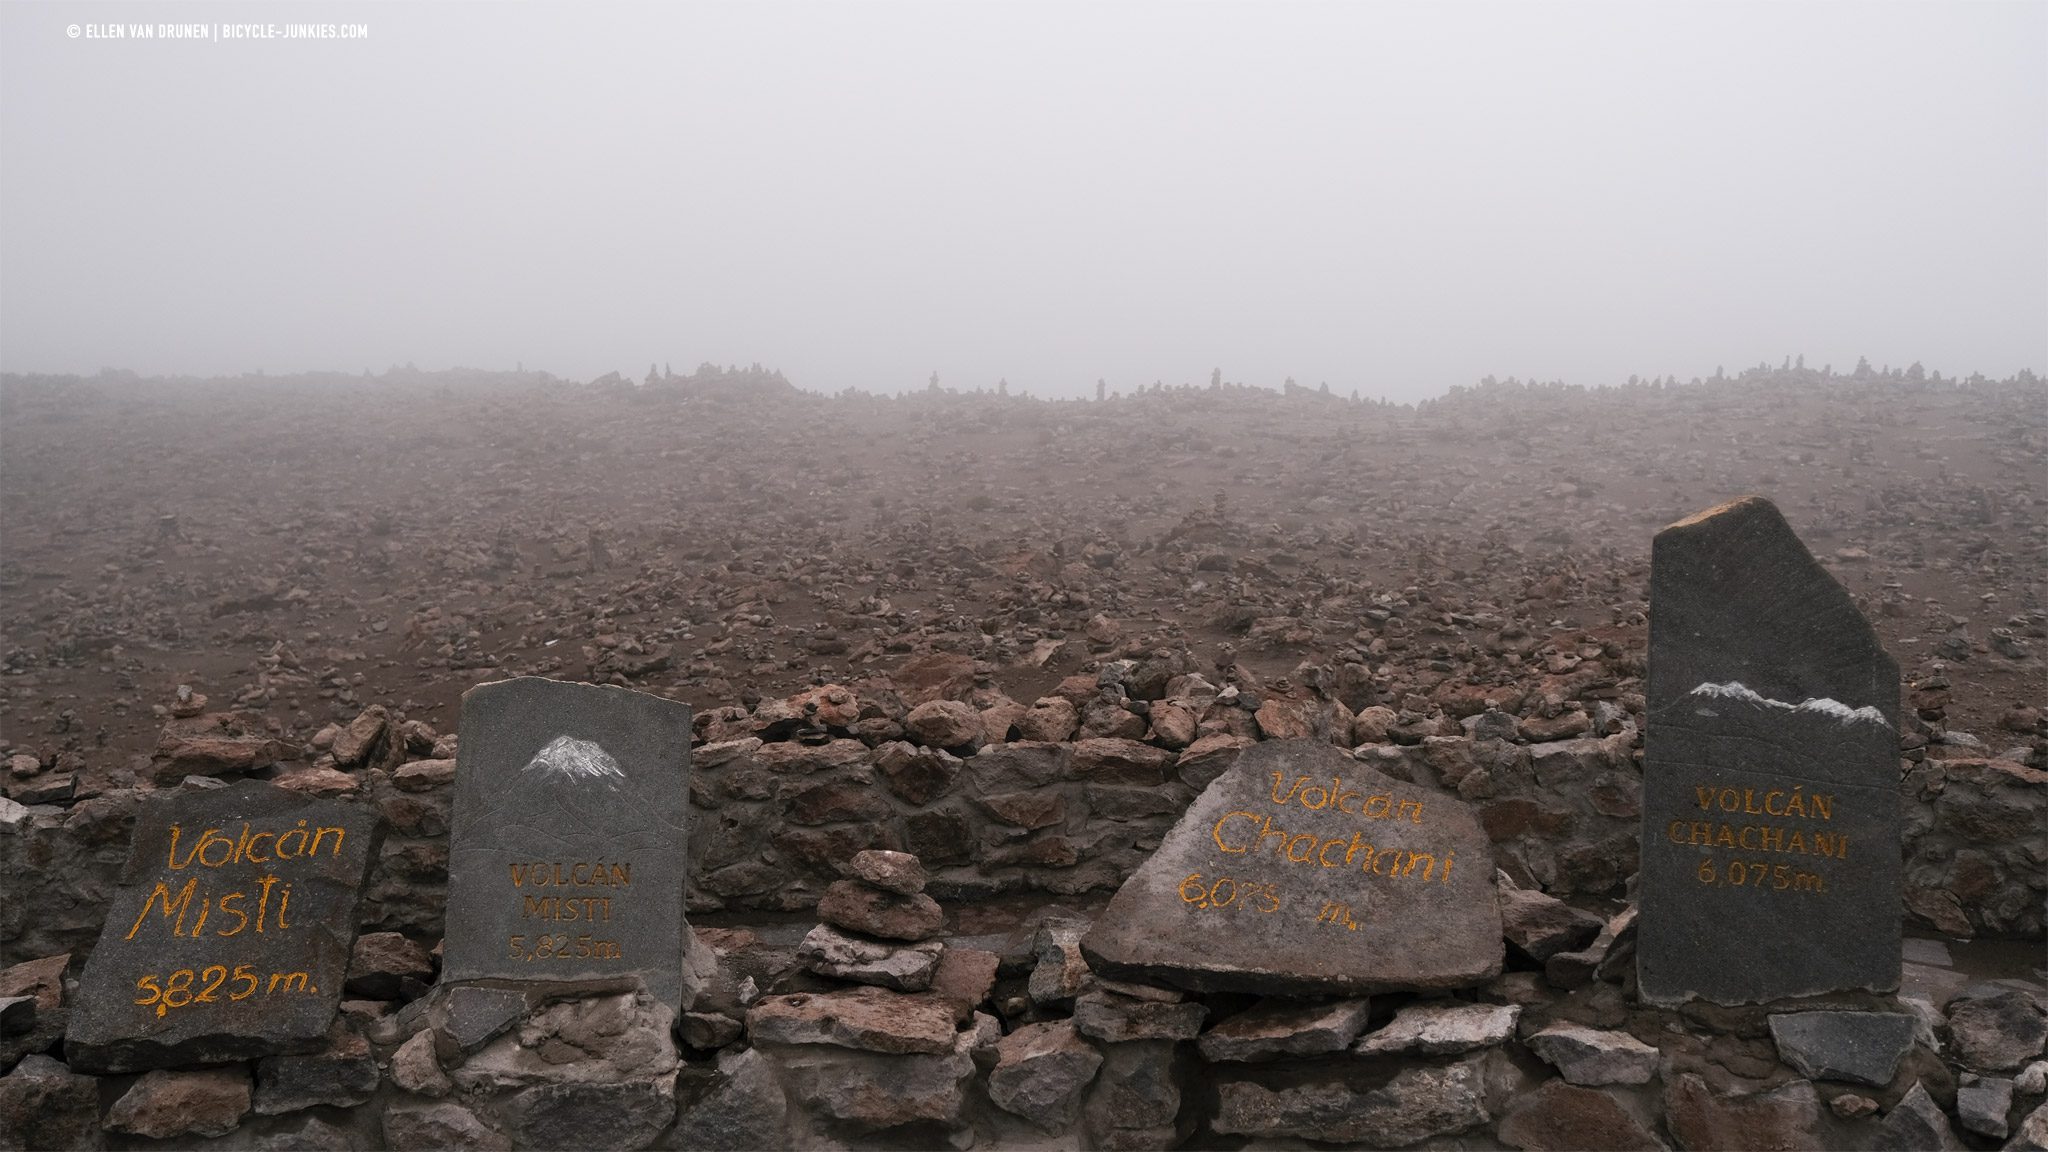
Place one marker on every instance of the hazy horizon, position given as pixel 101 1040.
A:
pixel 1391 198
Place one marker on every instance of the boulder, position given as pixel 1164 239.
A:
pixel 1561 1117
pixel 45 1105
pixel 1859 1047
pixel 200 1102
pixel 1917 1124
pixel 906 968
pixel 1786 1118
pixel 1040 1073
pixel 1421 1102
pixel 858 907
pixel 1590 1057
pixel 944 724
pixel 898 872
pixel 2000 1030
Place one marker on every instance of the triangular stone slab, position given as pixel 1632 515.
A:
pixel 1302 872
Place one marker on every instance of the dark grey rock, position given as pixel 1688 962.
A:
pixel 2033 1133
pixel 746 1110
pixel 436 1127
pixel 1859 1047
pixel 1138 1090
pixel 1040 1073
pixel 307 1133
pixel 580 1114
pixel 1302 872
pixel 229 935
pixel 1999 1032
pixel 343 1075
pixel 1917 1124
pixel 17 1015
pixel 567 848
pixel 43 1104
pixel 1770 845
pixel 465 1018
pixel 1983 1104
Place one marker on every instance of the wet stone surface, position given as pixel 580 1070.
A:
pixel 1301 871
pixel 1771 830
pixel 566 858
pixel 229 936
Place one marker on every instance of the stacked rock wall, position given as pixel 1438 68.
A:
pixel 1064 796
pixel 1015 1042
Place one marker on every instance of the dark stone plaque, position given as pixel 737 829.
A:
pixel 1301 871
pixel 229 935
pixel 566 861
pixel 1770 859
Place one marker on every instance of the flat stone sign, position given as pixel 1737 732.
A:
pixel 1770 860
pixel 1301 871
pixel 566 860
pixel 229 935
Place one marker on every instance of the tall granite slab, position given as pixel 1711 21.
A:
pixel 1771 862
pixel 1301 871
pixel 566 845
pixel 229 934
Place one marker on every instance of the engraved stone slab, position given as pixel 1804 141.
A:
pixel 566 861
pixel 1770 862
pixel 1301 871
pixel 229 935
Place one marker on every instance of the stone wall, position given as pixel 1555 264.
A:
pixel 1012 1042
pixel 1064 796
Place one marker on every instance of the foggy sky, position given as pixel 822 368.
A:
pixel 1392 198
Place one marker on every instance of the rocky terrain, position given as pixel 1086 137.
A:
pixel 296 549
pixel 958 664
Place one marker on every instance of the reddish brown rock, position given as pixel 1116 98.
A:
pixel 1560 1117
pixel 861 908
pixel 382 962
pixel 1283 720
pixel 163 1104
pixel 867 1019
pixel 218 744
pixel 1051 719
pixel 1786 1118
pixel 944 724
pixel 1111 761
pixel 363 739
